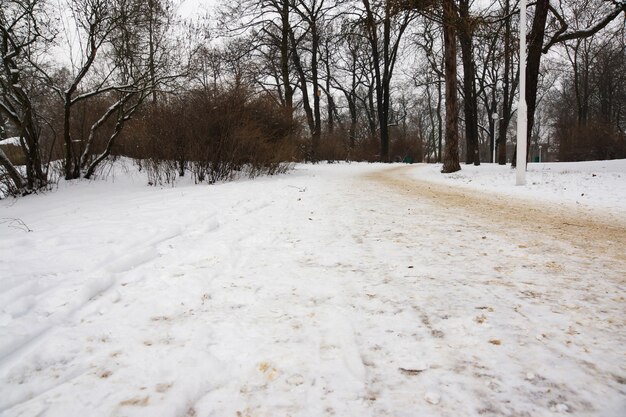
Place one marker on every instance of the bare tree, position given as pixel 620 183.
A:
pixel 536 47
pixel 312 14
pixel 21 31
pixel 430 76
pixel 351 76
pixel 467 25
pixel 385 24
pixel 270 22
pixel 114 37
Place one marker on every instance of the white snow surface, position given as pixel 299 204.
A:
pixel 315 293
pixel 15 141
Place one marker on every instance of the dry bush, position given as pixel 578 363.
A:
pixel 334 146
pixel 215 136
pixel 595 141
pixel 406 148
pixel 366 150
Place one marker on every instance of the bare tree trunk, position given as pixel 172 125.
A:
pixel 284 58
pixel 451 155
pixel 317 92
pixel 503 125
pixel 469 84
pixel 3 130
pixel 535 46
pixel 384 55
pixel 371 109
pixel 67 139
pixel 353 121
pixel 305 93
pixel 123 117
pixel 16 177
pixel 329 96
pixel 509 86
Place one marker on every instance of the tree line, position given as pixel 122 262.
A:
pixel 264 83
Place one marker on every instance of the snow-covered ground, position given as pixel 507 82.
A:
pixel 323 292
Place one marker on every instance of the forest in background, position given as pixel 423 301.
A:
pixel 261 84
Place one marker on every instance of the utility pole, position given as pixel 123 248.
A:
pixel 521 106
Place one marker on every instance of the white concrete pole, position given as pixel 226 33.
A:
pixel 522 118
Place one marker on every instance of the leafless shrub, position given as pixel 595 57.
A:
pixel 595 141
pixel 214 135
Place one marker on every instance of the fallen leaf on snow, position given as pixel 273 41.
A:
pixel 480 319
pixel 411 371
pixel 140 402
pixel 432 398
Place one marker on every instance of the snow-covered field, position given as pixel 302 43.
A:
pixel 323 292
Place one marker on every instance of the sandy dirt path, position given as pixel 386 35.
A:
pixel 597 234
pixel 556 270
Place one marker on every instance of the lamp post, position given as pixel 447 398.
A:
pixel 521 106
pixel 539 153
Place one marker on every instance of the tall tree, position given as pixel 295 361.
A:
pixel 159 18
pixel 385 24
pixel 467 25
pixel 451 152
pixel 312 14
pixel 536 46
pixel 22 30
pixel 270 22
pixel 430 40
pixel 510 80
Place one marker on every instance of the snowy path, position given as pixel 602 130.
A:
pixel 334 291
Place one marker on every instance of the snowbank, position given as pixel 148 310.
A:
pixel 14 141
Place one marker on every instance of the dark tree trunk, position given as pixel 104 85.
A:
pixel 305 93
pixel 14 174
pixel 284 59
pixel 384 54
pixel 151 51
pixel 317 92
pixel 504 123
pixel 329 97
pixel 451 152
pixel 353 121
pixel 3 130
pixel 535 46
pixel 67 139
pixel 371 110
pixel 470 105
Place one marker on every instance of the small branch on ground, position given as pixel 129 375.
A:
pixel 15 223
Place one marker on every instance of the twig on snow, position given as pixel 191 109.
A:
pixel 15 223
